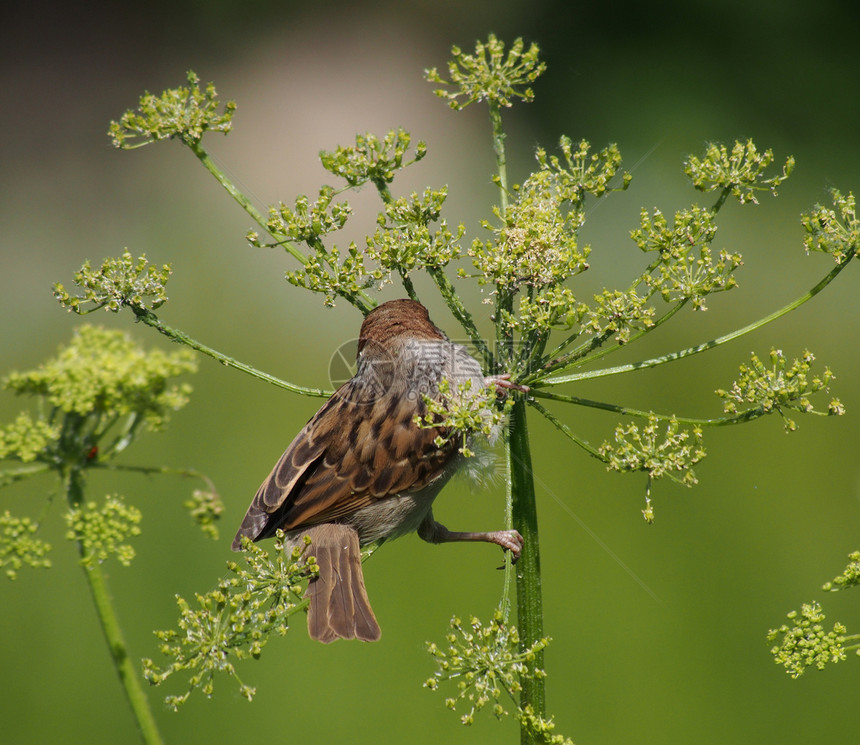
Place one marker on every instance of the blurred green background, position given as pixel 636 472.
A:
pixel 678 656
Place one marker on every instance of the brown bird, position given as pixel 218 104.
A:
pixel 362 469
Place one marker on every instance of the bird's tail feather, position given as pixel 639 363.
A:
pixel 339 607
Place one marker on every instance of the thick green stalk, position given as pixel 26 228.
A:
pixel 529 594
pixel 128 676
pixel 521 479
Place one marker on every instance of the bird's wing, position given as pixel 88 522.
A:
pixel 355 449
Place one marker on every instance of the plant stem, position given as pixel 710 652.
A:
pixel 10 475
pixel 150 319
pixel 529 595
pixel 361 300
pixel 461 313
pixel 521 479
pixel 408 286
pixel 721 200
pixel 111 628
pixel 742 417
pixel 501 158
pixel 119 652
pixel 234 192
pixel 504 296
pixel 568 432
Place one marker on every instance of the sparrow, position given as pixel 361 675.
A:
pixel 362 469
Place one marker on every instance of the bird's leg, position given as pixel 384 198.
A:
pixel 434 532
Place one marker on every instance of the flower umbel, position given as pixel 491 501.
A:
pixel 26 438
pixel 233 621
pixel 404 240
pixel 103 530
pixel 206 507
pixel 850 577
pixel 120 282
pixel 308 222
pixel 619 313
pixel 184 112
pixel 553 307
pixel 537 243
pixel 102 375
pixel 461 413
pixel 580 172
pixel 487 75
pixel 836 232
pixel 739 173
pixel 658 451
pixel 19 547
pixel 779 388
pixel 805 642
pixel 372 159
pixel 687 269
pixel 483 662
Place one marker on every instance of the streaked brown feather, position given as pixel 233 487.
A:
pixel 338 463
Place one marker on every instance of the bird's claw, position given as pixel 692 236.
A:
pixel 503 384
pixel 510 540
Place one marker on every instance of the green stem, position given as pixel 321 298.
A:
pixel 579 356
pixel 521 482
pixel 504 297
pixel 387 198
pixel 150 319
pixel 721 200
pixel 408 286
pixel 116 643
pixel 560 363
pixel 234 192
pixel 360 300
pixel 111 628
pixel 567 431
pixel 461 313
pixel 529 595
pixel 703 347
pixel 501 158
pixel 554 355
pixel 189 473
pixel 10 475
pixel 384 192
pixel 744 416
pixel 595 342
